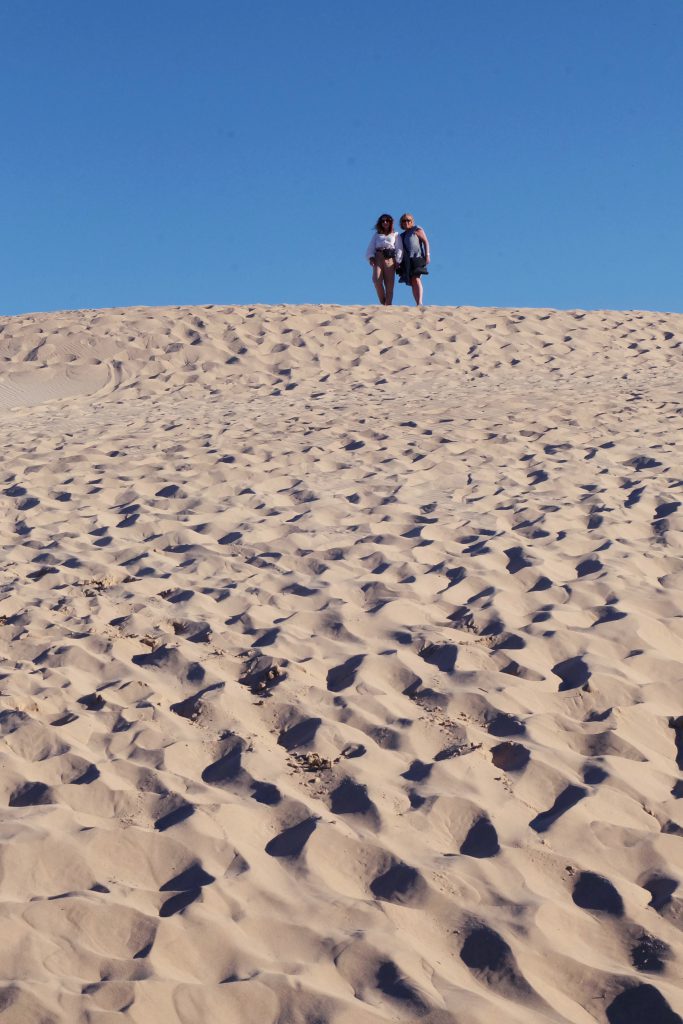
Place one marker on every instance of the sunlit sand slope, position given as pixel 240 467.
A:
pixel 341 666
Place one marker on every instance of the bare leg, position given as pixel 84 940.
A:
pixel 378 281
pixel 416 285
pixel 389 276
pixel 387 269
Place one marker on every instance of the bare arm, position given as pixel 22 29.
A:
pixel 420 234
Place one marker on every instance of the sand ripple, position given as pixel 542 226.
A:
pixel 341 666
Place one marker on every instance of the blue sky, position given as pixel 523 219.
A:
pixel 162 152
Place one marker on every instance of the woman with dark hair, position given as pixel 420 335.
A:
pixel 414 246
pixel 383 254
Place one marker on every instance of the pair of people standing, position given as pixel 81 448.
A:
pixel 389 251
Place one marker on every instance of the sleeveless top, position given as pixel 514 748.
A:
pixel 412 243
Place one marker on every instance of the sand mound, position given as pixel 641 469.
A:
pixel 341 666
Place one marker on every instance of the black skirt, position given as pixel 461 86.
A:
pixel 410 267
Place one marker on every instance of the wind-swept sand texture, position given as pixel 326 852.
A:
pixel 341 666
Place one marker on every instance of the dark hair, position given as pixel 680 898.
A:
pixel 381 217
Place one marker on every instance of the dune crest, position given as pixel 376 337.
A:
pixel 341 666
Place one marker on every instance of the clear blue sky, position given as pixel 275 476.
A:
pixel 162 152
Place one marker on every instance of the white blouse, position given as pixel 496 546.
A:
pixel 390 241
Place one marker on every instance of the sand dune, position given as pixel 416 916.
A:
pixel 341 666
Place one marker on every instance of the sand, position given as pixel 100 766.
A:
pixel 341 666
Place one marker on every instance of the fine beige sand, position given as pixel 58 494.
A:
pixel 341 666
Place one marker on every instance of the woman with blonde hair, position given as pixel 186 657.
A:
pixel 415 256
pixel 383 255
